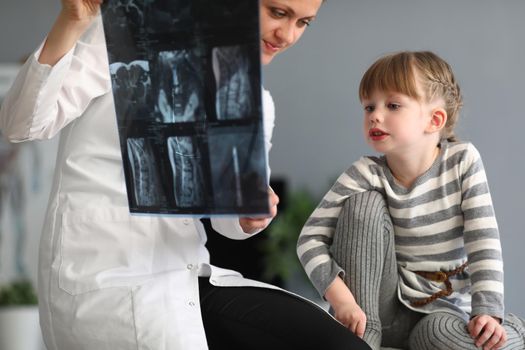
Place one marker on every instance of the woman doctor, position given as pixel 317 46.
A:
pixel 110 280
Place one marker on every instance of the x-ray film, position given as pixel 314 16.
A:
pixel 186 83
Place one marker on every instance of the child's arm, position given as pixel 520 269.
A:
pixel 313 245
pixel 483 249
pixel 481 237
pixel 345 307
pixel 315 239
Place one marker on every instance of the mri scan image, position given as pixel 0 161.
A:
pixel 179 87
pixel 146 179
pixel 186 82
pixel 234 93
pixel 237 160
pixel 131 86
pixel 188 180
pixel 169 16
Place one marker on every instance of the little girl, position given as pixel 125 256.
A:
pixel 405 247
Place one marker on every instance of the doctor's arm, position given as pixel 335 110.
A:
pixel 74 18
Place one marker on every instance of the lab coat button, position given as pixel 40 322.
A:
pixel 191 303
pixel 186 221
pixel 189 266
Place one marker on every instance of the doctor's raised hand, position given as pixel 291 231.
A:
pixel 80 9
pixel 71 23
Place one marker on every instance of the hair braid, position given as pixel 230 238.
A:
pixel 441 83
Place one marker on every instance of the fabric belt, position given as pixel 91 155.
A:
pixel 438 276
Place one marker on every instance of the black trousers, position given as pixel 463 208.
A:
pixel 251 318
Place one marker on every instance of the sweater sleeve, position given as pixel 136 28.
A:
pixel 481 235
pixel 316 237
pixel 44 99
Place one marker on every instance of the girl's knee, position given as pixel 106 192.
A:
pixel 370 201
pixel 365 205
pixel 366 212
pixel 436 330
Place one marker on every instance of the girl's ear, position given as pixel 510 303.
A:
pixel 438 120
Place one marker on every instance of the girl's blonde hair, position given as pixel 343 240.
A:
pixel 397 72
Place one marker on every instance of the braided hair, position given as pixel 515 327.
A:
pixel 402 70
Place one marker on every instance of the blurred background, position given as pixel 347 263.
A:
pixel 318 126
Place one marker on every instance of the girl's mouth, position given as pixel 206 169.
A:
pixel 377 134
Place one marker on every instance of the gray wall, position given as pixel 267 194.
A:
pixel 23 25
pixel 318 126
pixel 314 85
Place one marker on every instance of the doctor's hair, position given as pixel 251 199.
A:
pixel 399 72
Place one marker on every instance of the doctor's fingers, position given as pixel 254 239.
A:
pixel 251 225
pixel 274 200
pixel 80 10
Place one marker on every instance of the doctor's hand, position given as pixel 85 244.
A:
pixel 251 225
pixel 74 18
pixel 80 10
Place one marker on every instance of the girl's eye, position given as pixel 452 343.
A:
pixel 394 106
pixel 369 109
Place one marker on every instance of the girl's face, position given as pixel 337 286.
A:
pixel 282 24
pixel 395 123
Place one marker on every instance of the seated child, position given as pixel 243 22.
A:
pixel 405 247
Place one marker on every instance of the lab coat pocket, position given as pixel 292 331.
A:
pixel 104 247
pixel 102 320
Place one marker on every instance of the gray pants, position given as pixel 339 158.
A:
pixel 364 247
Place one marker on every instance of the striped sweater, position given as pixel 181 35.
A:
pixel 443 220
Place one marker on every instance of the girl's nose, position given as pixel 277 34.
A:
pixel 375 116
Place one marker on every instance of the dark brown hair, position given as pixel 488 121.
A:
pixel 398 72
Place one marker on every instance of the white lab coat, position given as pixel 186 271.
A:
pixel 107 279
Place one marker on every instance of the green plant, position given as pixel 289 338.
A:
pixel 280 257
pixel 18 293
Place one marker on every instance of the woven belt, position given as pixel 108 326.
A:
pixel 437 276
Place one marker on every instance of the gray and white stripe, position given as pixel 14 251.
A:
pixel 443 220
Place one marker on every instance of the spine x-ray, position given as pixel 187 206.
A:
pixel 186 83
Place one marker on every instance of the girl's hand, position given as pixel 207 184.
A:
pixel 80 10
pixel 487 332
pixel 251 225
pixel 352 317
pixel 346 309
